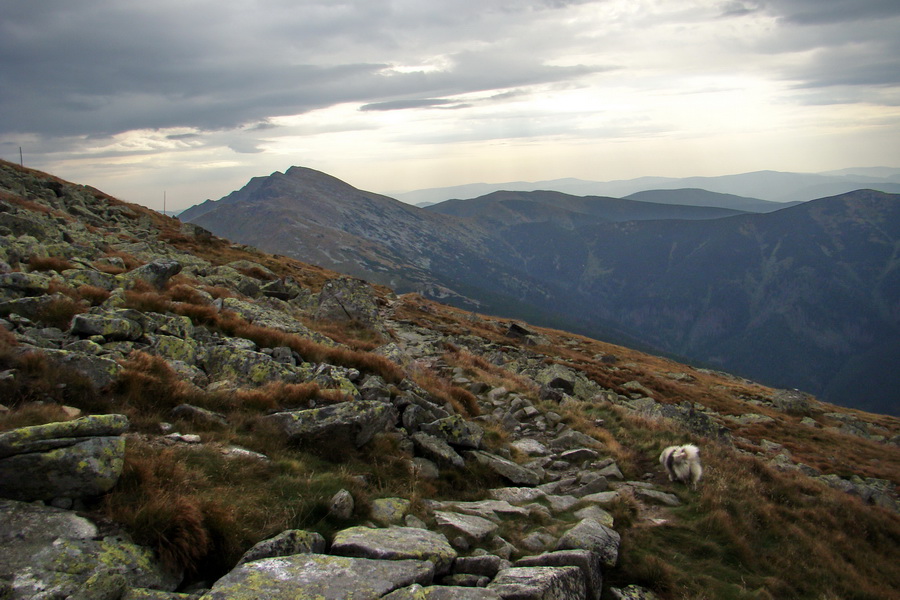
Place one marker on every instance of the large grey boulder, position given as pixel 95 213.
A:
pixel 456 431
pixel 592 535
pixel 511 471
pixel 436 449
pixel 336 427
pixel 347 299
pixel 53 553
pixel 100 371
pixel 319 576
pixel 395 543
pixel 112 326
pixel 70 459
pixel 540 583
pixel 155 273
pixel 243 366
pixel 587 561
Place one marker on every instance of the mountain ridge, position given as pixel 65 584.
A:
pixel 775 186
pixel 652 283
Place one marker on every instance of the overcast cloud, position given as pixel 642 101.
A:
pixel 198 96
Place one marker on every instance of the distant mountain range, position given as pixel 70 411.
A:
pixel 774 186
pixel 806 297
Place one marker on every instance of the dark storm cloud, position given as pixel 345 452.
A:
pixel 820 12
pixel 102 67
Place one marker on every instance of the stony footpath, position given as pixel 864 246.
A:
pixel 548 534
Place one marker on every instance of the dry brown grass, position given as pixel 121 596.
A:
pixel 95 296
pixel 49 263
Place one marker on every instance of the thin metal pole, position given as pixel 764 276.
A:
pixel 164 202
pixel 21 160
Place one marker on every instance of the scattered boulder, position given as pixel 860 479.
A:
pixel 156 273
pixel 540 583
pixel 319 576
pixel 335 427
pixel 515 473
pixel 587 561
pixel 347 299
pixel 396 543
pixel 592 535
pixel 286 543
pixel 70 459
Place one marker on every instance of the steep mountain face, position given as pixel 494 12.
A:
pixel 806 297
pixel 312 216
pixel 803 297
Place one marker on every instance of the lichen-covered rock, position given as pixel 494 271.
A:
pixel 226 363
pixel 86 468
pixel 17 284
pixel 175 348
pixel 587 561
pixel 111 326
pixel 395 543
pixel 540 583
pixel 436 449
pixel 347 299
pixel 336 427
pixel 319 577
pixel 592 535
pixel 793 401
pixel 100 371
pixel 442 592
pixel 156 273
pixel 71 459
pixel 54 553
pixel 389 511
pixel 263 316
pixel 632 592
pixel 515 473
pixel 54 435
pixel 456 431
pixel 286 543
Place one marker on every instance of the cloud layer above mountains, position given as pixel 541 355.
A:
pixel 253 86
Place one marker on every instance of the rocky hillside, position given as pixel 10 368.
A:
pixel 184 417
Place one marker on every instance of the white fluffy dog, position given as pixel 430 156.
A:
pixel 682 463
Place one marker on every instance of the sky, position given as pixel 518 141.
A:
pixel 188 99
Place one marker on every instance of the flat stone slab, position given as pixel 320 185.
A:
pixel 319 576
pixel 469 525
pixel 657 497
pixel 492 510
pixel 540 583
pixel 515 473
pixel 395 543
pixel 517 495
